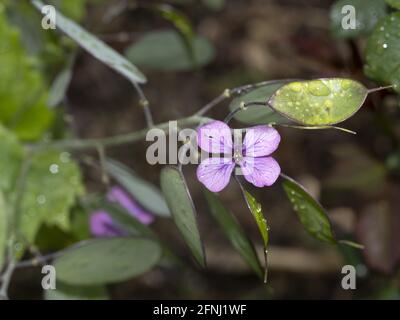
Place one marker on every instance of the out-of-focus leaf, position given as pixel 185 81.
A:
pixel 166 51
pixel 257 114
pixel 367 14
pixel 10 160
pixel 309 211
pixel 67 292
pixel 22 89
pixel 180 203
pixel 214 4
pixel 59 87
pixel 319 102
pixel 52 186
pixel 107 261
pixel 142 191
pixel 394 3
pixel 180 21
pixel 382 53
pixel 3 228
pixel 96 47
pixel 75 9
pixel 233 231
pixel 378 231
pixel 357 172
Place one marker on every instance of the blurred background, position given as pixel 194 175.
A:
pixel 355 177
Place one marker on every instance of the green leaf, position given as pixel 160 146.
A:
pixel 257 114
pixel 67 292
pixel 3 229
pixel 107 261
pixel 59 87
pixel 10 160
pixel 166 51
pixel 233 231
pixel 394 3
pixel 309 211
pixel 215 5
pixel 22 88
pixel 256 211
pixel 367 14
pixel 96 47
pixel 382 53
pixel 142 191
pixel 319 102
pixel 52 186
pixel 180 203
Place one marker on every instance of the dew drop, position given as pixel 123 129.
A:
pixel 385 45
pixel 54 168
pixel 318 88
pixel 295 86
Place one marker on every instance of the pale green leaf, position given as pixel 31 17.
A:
pixel 309 211
pixel 107 261
pixel 394 3
pixel 319 102
pixel 367 15
pixel 180 203
pixel 166 51
pixel 257 114
pixel 67 292
pixel 382 53
pixel 141 190
pixel 59 87
pixel 233 231
pixel 96 47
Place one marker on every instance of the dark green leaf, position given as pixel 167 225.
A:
pixel 107 261
pixel 257 114
pixel 367 14
pixel 233 231
pixel 67 292
pixel 166 51
pixel 383 52
pixel 142 191
pixel 180 203
pixel 309 211
pixel 319 102
pixel 96 47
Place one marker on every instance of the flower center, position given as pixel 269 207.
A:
pixel 237 156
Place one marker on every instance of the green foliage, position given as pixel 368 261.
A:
pixel 3 229
pixel 166 51
pixel 96 47
pixel 107 261
pixel 257 114
pixel 53 183
pixel 256 211
pixel 180 203
pixel 368 13
pixel 233 231
pixel 309 211
pixel 383 52
pixel 23 93
pixel 67 292
pixel 394 3
pixel 319 102
pixel 142 191
pixel 59 87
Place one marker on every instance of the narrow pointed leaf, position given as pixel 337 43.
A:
pixel 257 114
pixel 319 102
pixel 142 191
pixel 96 47
pixel 309 211
pixel 107 261
pixel 180 203
pixel 233 231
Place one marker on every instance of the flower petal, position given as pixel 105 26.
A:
pixel 101 225
pixel 260 172
pixel 215 173
pixel 215 137
pixel 260 141
pixel 119 195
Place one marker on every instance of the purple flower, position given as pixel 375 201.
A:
pixel 252 156
pixel 102 225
